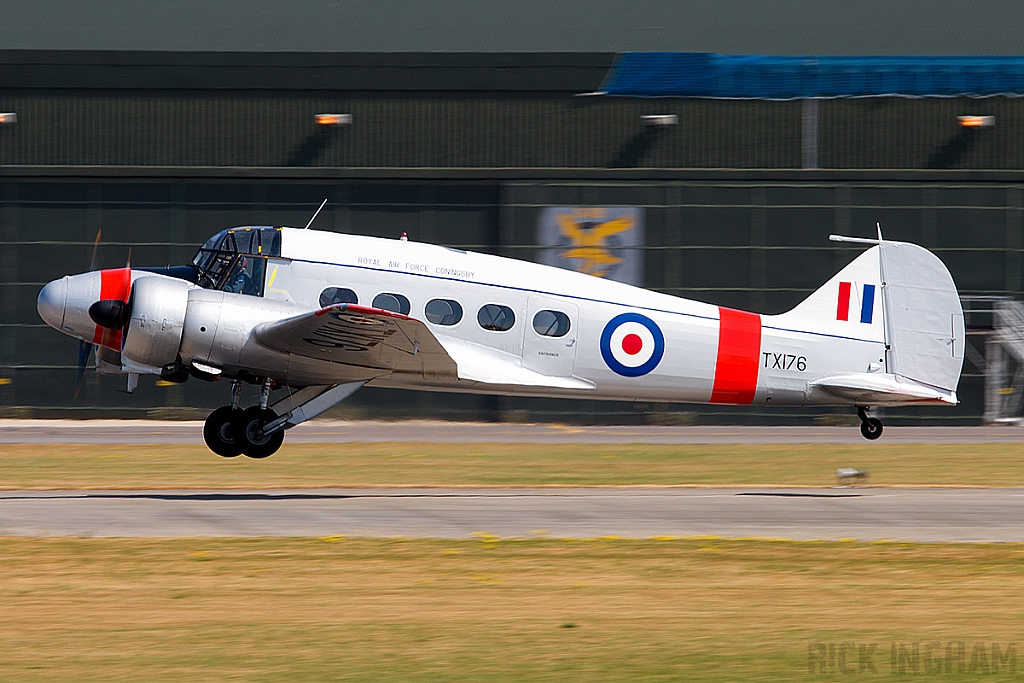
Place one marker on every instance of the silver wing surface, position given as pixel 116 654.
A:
pixel 371 338
pixel 362 337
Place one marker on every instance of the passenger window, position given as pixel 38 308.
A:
pixel 443 312
pixel 396 303
pixel 551 323
pixel 337 295
pixel 496 318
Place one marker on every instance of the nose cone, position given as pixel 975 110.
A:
pixel 52 301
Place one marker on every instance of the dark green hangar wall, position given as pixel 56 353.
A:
pixel 449 111
pixel 530 130
pixel 160 150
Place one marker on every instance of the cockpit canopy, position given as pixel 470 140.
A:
pixel 233 259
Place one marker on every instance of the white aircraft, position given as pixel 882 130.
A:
pixel 317 315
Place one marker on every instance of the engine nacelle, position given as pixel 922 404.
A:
pixel 158 306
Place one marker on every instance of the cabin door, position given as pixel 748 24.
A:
pixel 549 343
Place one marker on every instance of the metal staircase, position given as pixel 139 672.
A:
pixel 998 323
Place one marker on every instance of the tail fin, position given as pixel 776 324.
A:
pixel 901 294
pixel 848 305
pixel 926 321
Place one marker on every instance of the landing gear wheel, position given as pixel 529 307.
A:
pixel 219 432
pixel 254 443
pixel 871 428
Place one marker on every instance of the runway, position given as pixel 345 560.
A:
pixel 968 515
pixel 161 432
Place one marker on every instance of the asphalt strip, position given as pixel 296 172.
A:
pixel 329 431
pixel 912 515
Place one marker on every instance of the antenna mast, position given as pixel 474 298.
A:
pixel 322 204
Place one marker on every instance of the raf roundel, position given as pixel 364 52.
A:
pixel 632 344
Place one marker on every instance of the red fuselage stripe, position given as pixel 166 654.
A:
pixel 114 284
pixel 739 355
pixel 843 309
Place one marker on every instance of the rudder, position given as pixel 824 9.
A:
pixel 924 316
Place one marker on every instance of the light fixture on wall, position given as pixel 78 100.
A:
pixel 8 117
pixel 333 119
pixel 660 120
pixel 976 121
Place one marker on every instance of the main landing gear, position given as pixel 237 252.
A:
pixel 870 427
pixel 258 432
pixel 230 431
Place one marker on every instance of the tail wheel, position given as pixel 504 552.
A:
pixel 871 428
pixel 248 429
pixel 219 432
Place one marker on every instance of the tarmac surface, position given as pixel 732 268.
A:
pixel 317 431
pixel 969 515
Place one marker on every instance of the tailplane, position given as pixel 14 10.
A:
pixel 903 295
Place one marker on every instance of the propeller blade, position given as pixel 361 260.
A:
pixel 84 349
pixel 95 251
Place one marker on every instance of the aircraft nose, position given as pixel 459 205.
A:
pixel 52 302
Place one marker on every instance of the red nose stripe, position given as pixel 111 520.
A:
pixel 115 283
pixel 739 350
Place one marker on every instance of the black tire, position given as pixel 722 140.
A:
pixel 247 426
pixel 871 428
pixel 219 432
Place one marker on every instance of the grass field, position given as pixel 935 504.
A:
pixel 609 609
pixel 432 464
pixel 338 609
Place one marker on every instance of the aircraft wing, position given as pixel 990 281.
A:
pixel 359 336
pixel 477 363
pixel 879 389
pixel 373 338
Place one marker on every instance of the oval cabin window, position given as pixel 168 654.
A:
pixel 443 312
pixel 396 303
pixel 337 295
pixel 496 318
pixel 551 323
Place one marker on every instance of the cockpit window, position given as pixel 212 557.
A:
pixel 217 265
pixel 246 276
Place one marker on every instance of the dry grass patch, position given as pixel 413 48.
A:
pixel 430 610
pixel 432 464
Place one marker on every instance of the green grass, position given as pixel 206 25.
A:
pixel 339 609
pixel 432 464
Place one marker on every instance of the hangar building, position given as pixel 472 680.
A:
pixel 469 126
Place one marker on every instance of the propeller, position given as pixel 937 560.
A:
pixel 84 347
pixel 113 314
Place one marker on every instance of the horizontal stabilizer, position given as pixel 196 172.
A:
pixel 881 389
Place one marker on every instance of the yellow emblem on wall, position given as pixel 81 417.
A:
pixel 603 241
pixel 588 239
